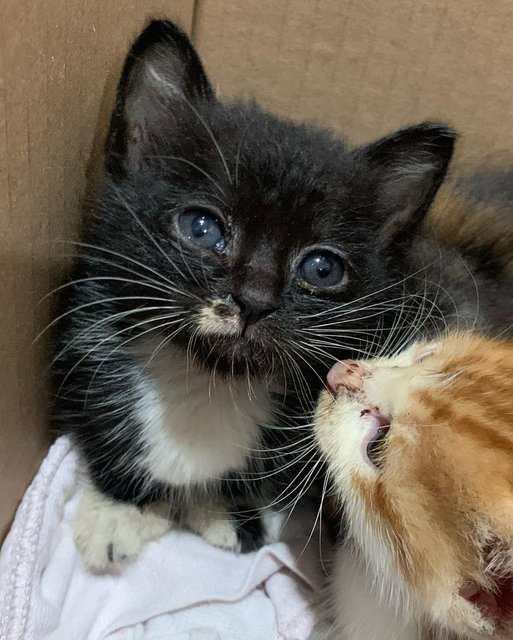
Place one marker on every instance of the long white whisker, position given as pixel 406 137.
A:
pixel 148 233
pixel 85 245
pixel 93 303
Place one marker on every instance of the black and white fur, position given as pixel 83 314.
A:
pixel 175 365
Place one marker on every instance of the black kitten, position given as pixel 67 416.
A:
pixel 233 255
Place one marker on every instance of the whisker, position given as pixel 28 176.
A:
pixel 105 321
pixel 107 339
pixel 148 233
pixel 93 303
pixel 123 344
pixel 122 256
pixel 372 294
pixel 212 137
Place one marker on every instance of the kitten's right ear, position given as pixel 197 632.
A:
pixel 162 74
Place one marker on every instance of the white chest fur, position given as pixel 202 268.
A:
pixel 195 428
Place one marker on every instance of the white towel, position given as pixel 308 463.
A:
pixel 180 588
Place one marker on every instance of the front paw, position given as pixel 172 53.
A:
pixel 108 533
pixel 215 525
pixel 243 530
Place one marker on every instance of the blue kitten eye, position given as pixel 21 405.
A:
pixel 322 270
pixel 203 229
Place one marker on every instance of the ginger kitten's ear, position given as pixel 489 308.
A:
pixel 162 75
pixel 408 167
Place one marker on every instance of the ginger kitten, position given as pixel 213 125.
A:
pixel 420 448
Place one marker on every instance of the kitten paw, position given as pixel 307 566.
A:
pixel 215 525
pixel 244 530
pixel 108 533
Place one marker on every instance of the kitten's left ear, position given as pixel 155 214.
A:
pixel 408 167
pixel 162 78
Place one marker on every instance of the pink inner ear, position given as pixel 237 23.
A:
pixel 496 604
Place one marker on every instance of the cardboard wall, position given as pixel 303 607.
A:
pixel 360 66
pixel 365 67
pixel 58 65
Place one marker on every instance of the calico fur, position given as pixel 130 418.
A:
pixel 429 550
pixel 179 368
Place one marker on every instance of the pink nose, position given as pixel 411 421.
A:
pixel 348 374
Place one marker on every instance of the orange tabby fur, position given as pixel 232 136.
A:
pixel 430 548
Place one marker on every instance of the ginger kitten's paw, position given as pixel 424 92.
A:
pixel 107 532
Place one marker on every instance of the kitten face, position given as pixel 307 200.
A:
pixel 246 234
pixel 421 451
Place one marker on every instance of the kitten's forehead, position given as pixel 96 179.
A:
pixel 281 168
pixel 287 184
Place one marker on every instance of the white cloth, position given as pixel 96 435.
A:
pixel 180 588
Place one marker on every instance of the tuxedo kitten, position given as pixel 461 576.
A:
pixel 231 256
pixel 420 449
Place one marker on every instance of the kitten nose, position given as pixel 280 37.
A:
pixel 255 306
pixel 348 374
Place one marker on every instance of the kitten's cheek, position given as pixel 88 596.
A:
pixel 325 400
pixel 323 421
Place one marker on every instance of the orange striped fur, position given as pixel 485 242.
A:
pixel 430 549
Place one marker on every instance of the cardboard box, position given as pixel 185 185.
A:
pixel 59 63
pixel 365 68
pixel 362 67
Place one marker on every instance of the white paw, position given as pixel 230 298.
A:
pixel 213 523
pixel 108 533
pixel 221 533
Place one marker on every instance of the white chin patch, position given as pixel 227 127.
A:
pixel 213 322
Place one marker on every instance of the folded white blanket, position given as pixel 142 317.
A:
pixel 180 588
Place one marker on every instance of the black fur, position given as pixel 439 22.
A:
pixel 250 530
pixel 281 188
